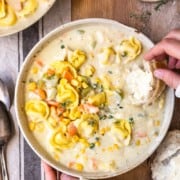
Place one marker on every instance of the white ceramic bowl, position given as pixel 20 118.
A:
pixel 27 21
pixel 22 121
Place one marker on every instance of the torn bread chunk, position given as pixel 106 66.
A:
pixel 141 86
pixel 166 164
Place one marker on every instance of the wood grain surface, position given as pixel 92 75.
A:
pixel 142 16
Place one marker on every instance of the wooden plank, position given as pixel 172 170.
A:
pixel 146 19
pixel 8 73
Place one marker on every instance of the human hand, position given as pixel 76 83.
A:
pixel 169 46
pixel 51 174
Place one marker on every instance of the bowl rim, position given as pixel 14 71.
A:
pixel 33 51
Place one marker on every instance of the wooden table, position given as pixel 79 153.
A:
pixel 23 164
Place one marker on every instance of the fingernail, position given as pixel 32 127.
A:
pixel 158 74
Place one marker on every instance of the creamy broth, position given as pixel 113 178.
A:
pixel 85 119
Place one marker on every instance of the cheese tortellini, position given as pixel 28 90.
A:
pixel 78 58
pixel 29 6
pixel 7 15
pixel 61 66
pixel 121 130
pixel 37 110
pixel 130 48
pixel 98 99
pixel 67 94
pixel 60 141
pixel 107 55
pixel 88 126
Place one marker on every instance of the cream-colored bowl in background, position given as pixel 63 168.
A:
pixel 21 116
pixel 27 21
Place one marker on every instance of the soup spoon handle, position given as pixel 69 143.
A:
pixel 4 173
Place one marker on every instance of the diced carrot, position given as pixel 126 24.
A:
pixel 59 110
pixel 52 103
pixel 94 164
pixel 72 130
pixel 41 93
pixel 89 108
pixel 50 72
pixel 141 134
pixel 71 164
pixel 39 62
pixel 67 75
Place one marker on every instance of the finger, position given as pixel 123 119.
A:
pixel 50 173
pixel 67 177
pixel 178 65
pixel 170 78
pixel 172 62
pixel 166 46
pixel 174 34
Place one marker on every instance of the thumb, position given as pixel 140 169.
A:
pixel 169 77
pixel 67 177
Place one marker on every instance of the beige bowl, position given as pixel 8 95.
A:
pixel 22 120
pixel 25 22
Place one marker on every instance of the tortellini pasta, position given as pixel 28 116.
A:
pixel 121 130
pixel 37 109
pixel 78 58
pixel 88 126
pixel 7 15
pixel 74 113
pixel 107 55
pixel 97 99
pixel 130 48
pixel 61 66
pixel 67 94
pixel 60 141
pixel 29 6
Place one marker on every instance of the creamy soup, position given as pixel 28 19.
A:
pixel 78 104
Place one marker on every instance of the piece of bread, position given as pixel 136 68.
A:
pixel 166 164
pixel 142 86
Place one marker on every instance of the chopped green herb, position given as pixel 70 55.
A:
pixel 124 54
pixel 140 115
pixel 81 31
pixel 101 88
pixel 160 3
pixel 102 117
pixel 92 122
pixel 94 44
pixel 84 92
pixel 94 86
pixel 92 145
pixel 31 80
pixel 62 46
pixel 97 138
pixel 40 84
pixel 64 104
pixel 110 72
pixel 131 120
pixel 119 106
pixel 110 116
pixel 116 122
